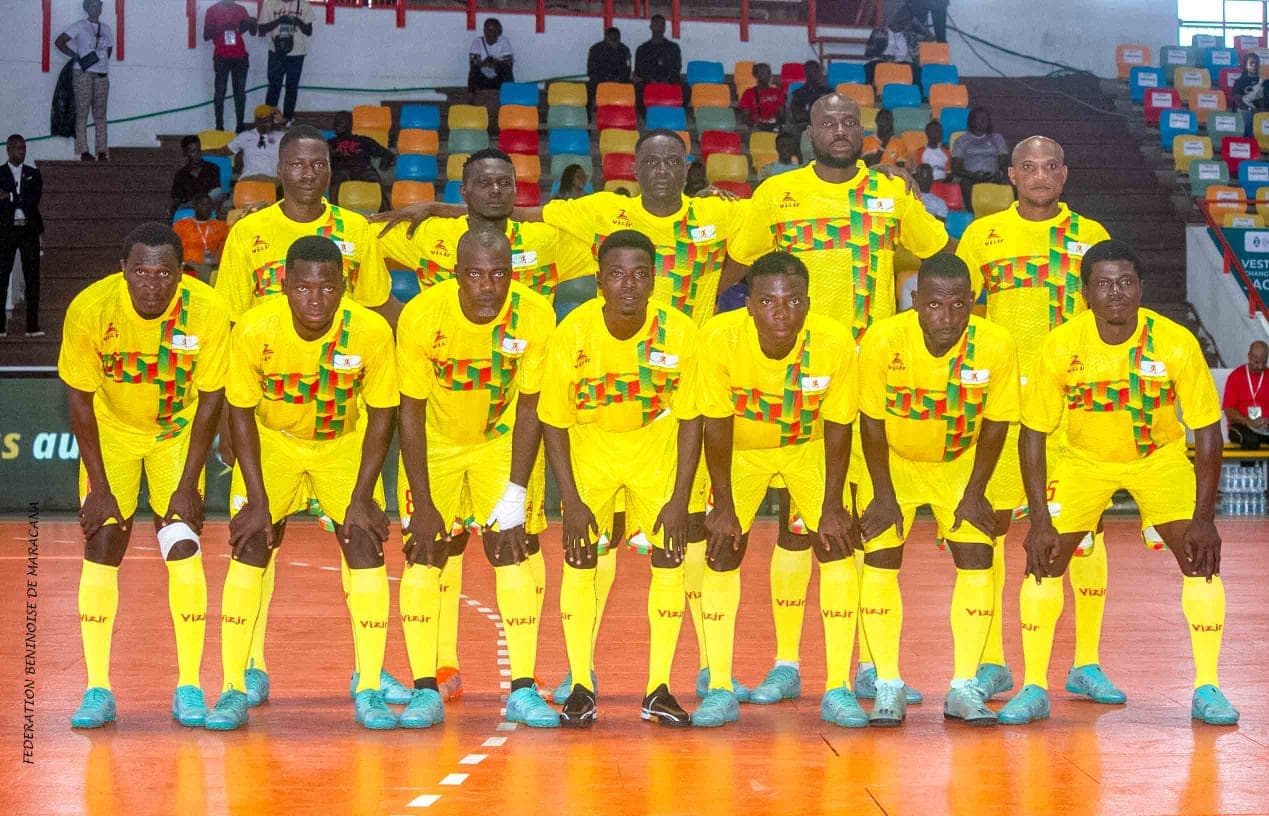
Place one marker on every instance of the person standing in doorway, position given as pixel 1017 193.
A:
pixel 88 43
pixel 288 24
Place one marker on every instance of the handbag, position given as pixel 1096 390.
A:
pixel 90 59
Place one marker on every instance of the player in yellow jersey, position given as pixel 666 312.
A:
pixel 938 387
pixel 777 388
pixel 302 369
pixel 143 357
pixel 1028 259
pixel 618 419
pixel 470 362
pixel 844 221
pixel 1116 375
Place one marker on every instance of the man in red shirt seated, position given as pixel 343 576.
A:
pixel 1247 398
pixel 763 104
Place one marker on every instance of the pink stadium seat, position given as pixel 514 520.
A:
pixel 739 188
pixel 518 141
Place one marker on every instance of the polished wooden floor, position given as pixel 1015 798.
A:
pixel 302 753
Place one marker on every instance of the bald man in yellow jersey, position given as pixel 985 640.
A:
pixel 844 221
pixel 1028 257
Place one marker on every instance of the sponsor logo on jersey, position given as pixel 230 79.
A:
pixel 266 353
pixel 787 201
pixel 621 219
pixel 111 331
pixel 582 359
pixel 259 245
pixel 440 249
pixel 992 237
pixel 1076 365
pixel 897 363
pixel 438 338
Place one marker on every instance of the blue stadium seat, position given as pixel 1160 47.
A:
pixel 953 121
pixel 935 74
pixel 413 167
pixel 1252 175
pixel 896 95
pixel 226 166
pixel 839 72
pixel 1174 122
pixel 518 93
pixel 1216 60
pixel 420 117
pixel 568 141
pixel 555 188
pixel 1141 78
pixel 793 86
pixel 957 221
pixel 560 161
pixel 182 213
pixel 453 192
pixel 701 72
pixel 405 284
pixel 665 117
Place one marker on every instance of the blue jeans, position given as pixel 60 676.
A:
pixel 288 67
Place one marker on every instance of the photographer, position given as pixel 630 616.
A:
pixel 88 43
pixel 288 24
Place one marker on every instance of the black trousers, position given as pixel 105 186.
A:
pixel 224 68
pixel 1245 437
pixel 477 81
pixel 24 242
pixel 289 68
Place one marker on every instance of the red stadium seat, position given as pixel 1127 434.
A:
pixel 739 188
pixel 792 72
pixel 719 141
pixel 1227 79
pixel 1158 100
pixel 528 195
pixel 1237 149
pixel 619 167
pixel 950 193
pixel 659 94
pixel 617 117
pixel 518 141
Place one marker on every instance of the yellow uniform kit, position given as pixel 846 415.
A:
pixel 146 376
pixel 308 396
pixel 779 406
pixel 1120 404
pixel 254 260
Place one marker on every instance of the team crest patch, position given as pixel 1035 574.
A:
pixel 511 345
pixel 975 376
pixel 881 205
pixel 1076 248
pixel 346 362
pixel 705 232
pixel 1153 368
pixel 814 385
pixel 185 342
pixel 527 258
pixel 659 359
pixel 346 247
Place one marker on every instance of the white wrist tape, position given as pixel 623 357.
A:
pixel 170 534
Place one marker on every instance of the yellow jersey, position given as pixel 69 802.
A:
pixel 254 260
pixel 311 389
pixel 145 374
pixel 1121 401
pixel 934 407
pixel 691 244
pixel 1031 271
pixel 846 235
pixel 471 373
pixel 594 379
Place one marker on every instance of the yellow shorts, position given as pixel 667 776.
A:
pixel 125 456
pixel 637 466
pixel 800 467
pixel 296 469
pixel 938 484
pixel 1005 490
pixel 1162 484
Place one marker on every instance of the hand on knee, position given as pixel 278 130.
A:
pixel 362 552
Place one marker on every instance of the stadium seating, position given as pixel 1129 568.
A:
pixel 1204 174
pixel 913 140
pixel 619 166
pixel 519 141
pixel 957 221
pixel 362 196
pixel 555 187
pixel 566 93
pixel 934 53
pixel 518 93
pixel 668 118
pixel 1203 100
pixel 1175 122
pixel 791 72
pixel 948 96
pixel 1186 148
pixel 412 167
pixel 1252 175
pixel 1158 100
pixel 560 161
pixel 1226 79
pixel 182 214
pixel 709 95
pixel 1260 129
pixel 420 117
pixel 214 139
pixel 864 95
pixel 1142 79
pixel 704 72
pixel 1216 60
pixel 621 117
pixel 468 117
pixel 252 191
pixel 518 117
pixel 614 93
pixel 665 95
pixel 1243 220
pixel 422 142
pixel 906 119
pixel 411 192
pixel 897 95
pixel 453 193
pixel 938 75
pixel 567 116
pixel 568 141
pixel 762 148
pixel 1128 56
pixel 405 284
pixel 1222 198
pixel 1221 124
pixel 719 141
pixel 467 141
pixel 226 166
pixel 715 119
pixel 617 141
pixel 1184 78
pixel 528 168
pixel 374 121
pixel 888 72
pixel 1172 57
pixel 1262 202
pixel 528 195
pixel 868 118
pixel 454 165
pixel 742 76
pixel 845 72
pixel 1237 149
pixel 726 167
pixel 990 198
pixel 950 193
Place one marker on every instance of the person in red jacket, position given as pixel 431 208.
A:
pixel 1246 400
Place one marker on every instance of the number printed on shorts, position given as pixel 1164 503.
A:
pixel 1051 492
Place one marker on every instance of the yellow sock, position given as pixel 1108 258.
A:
pixel 518 606
pixel 881 607
pixel 693 578
pixel 420 603
pixel 1039 607
pixel 994 646
pixel 368 607
pixel 187 599
pixel 972 614
pixel 537 568
pixel 256 660
pixel 1088 584
pixel 665 619
pixel 1204 607
pixel 865 654
pixel 605 575
pixel 720 599
pixel 239 605
pixel 98 606
pixel 790 574
pixel 447 629
pixel 345 581
pixel 839 605
pixel 578 605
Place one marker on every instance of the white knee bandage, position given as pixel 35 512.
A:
pixel 170 534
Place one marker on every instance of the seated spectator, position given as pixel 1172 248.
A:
pixel 491 59
pixel 934 154
pixel 351 154
pixel 801 100
pixel 657 60
pixel 572 182
pixel 936 10
pixel 934 205
pixel 980 155
pixel 787 149
pixel 608 61
pixel 1245 400
pixel 763 104
pixel 203 238
pixel 1248 93
pixel 697 180
pixel 897 41
pixel 256 150
pixel 884 147
pixel 196 177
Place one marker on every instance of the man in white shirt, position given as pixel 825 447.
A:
pixel 288 24
pixel 491 59
pixel 256 150
pixel 89 43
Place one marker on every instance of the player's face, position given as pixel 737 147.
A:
pixel 943 308
pixel 484 276
pixel 661 167
pixel 489 188
pixel 1113 292
pixel 152 274
pixel 313 290
pixel 778 305
pixel 1257 357
pixel 625 278
pixel 1039 173
pixel 836 133
pixel 304 170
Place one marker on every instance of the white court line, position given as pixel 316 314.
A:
pixel 502 661
pixel 454 779
pixel 502 653
pixel 473 759
pixel 426 800
pixel 505 726
pixel 484 610
pixel 494 742
pixel 330 569
pixel 504 685
pixel 298 564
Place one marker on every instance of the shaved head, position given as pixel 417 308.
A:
pixel 836 132
pixel 1038 170
pixel 834 101
pixel 1038 147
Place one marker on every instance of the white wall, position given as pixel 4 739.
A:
pixel 1218 299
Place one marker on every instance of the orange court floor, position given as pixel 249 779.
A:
pixel 302 752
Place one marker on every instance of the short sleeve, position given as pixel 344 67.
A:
pixel 873 354
pixel 233 281
pixel 379 380
pixel 1002 148
pixel 754 237
pixel 1042 397
pixel 713 378
pixel 841 403
pixel 475 46
pixel 373 286
pixel 573 259
pixel 213 355
pixel 958 149
pixel 79 361
pixel 1233 389
pixel 415 375
pixel 921 233
pixel 967 251
pixel 242 376
pixel 306 12
pixel 683 402
pixel 1004 397
pixel 574 216
pixel 555 403
pixel 1200 405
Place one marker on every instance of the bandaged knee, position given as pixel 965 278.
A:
pixel 171 534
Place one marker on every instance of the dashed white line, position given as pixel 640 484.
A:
pixel 298 564
pixel 494 742
pixel 454 779
pixel 473 759
pixel 426 800
pixel 506 726
pixel 484 610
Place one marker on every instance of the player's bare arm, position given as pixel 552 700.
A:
pixel 884 510
pixel 974 508
pixel 837 531
pixel 722 527
pixel 673 518
pixel 186 503
pixel 99 505
pixel 426 527
pixel 253 521
pixel 579 522
pixel 1202 541
pixel 364 517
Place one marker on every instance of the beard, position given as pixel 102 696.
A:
pixel 829 160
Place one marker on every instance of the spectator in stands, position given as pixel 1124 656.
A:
pixel 935 206
pixel 1246 399
pixel 256 150
pixel 572 182
pixel 20 228
pixel 351 155
pixel 934 154
pixel 492 62
pixel 787 149
pixel 196 177
pixel 88 44
pixel 697 179
pixel 980 154
pixel 288 24
pixel 897 41
pixel 1248 94
pixel 763 104
pixel 657 60
pixel 203 237
pixel 801 100
pixel 608 61
pixel 934 9
pixel 223 26
pixel 884 147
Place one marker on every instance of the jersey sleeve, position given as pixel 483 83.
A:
pixel 873 355
pixel 753 239
pixel 532 368
pixel 967 251
pixel 213 355
pixel 79 361
pixel 1004 401
pixel 1232 397
pixel 683 402
pixel 415 375
pixel 713 378
pixel 233 281
pixel 1200 404
pixel 379 385
pixel 841 403
pixel 242 377
pixel 1042 397
pixel 573 258
pixel 394 245
pixel 555 404
pixel 573 216
pixel 373 286
pixel 921 233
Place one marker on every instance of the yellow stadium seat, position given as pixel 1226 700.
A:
pixel 990 198
pixel 1187 148
pixel 1186 77
pixel 566 93
pixel 762 141
pixel 214 139
pixel 708 95
pixel 528 168
pixel 412 192
pixel 380 136
pixel 761 159
pixel 468 117
pixel 1260 129
pixel 454 166
pixel 1222 198
pixel 945 95
pixel 631 187
pixel 864 95
pixel 615 93
pixel 362 196
pixel 1127 57
pixel 934 53
pixel 914 141
pixel 371 117
pixel 1262 202
pixel 888 72
pixel 1202 100
pixel 1243 220
pixel 617 141
pixel 868 118
pixel 517 117
pixel 253 191
pixel 742 77
pixel 420 142
pixel 951 140
pixel 727 167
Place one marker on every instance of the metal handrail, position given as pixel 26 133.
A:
pixel 1231 263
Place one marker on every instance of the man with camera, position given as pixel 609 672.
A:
pixel 288 24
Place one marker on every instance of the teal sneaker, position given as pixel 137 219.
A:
pixel 393 690
pixel 96 709
pixel 1032 703
pixel 866 686
pixel 993 679
pixel 1092 682
pixel 891 706
pixel 425 710
pixel 526 706
pixel 738 688
pixel 718 708
pixel 189 708
pixel 781 683
pixel 230 712
pixel 257 686
pixel 1211 707
pixel 565 688
pixel 969 705
pixel 372 711
pixel 840 707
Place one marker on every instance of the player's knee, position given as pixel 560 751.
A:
pixel 588 559
pixel 361 551
pixel 663 559
pixel 786 539
pixel 498 549
pixel 888 558
pixel 727 559
pixel 107 546
pixel 458 544
pixel 532 545
pixel 177 541
pixel 826 554
pixel 696 527
pixel 254 553
pixel 971 556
